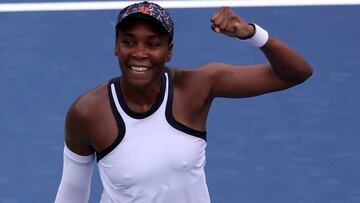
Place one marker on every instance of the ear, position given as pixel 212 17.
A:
pixel 168 58
pixel 115 51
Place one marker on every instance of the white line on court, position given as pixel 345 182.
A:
pixel 110 5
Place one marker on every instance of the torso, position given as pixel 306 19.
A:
pixel 154 158
pixel 190 107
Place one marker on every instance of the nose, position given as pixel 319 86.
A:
pixel 139 52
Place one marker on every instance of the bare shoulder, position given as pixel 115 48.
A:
pixel 89 101
pixel 195 82
pixel 183 76
pixel 201 77
pixel 81 117
pixel 188 79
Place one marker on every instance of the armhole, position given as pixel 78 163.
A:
pixel 119 122
pixel 170 117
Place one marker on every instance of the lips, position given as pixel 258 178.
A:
pixel 139 69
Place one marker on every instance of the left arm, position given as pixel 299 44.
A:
pixel 287 64
pixel 285 69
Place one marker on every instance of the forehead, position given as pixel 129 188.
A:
pixel 140 26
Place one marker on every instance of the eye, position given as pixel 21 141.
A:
pixel 128 42
pixel 153 44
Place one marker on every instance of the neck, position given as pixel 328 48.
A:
pixel 140 99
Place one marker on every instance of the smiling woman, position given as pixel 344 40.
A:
pixel 147 128
pixel 142 52
pixel 143 44
pixel 142 47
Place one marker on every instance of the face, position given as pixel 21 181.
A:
pixel 142 52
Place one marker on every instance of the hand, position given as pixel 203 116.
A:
pixel 226 21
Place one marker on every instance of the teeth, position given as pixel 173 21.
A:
pixel 139 68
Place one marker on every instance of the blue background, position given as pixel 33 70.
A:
pixel 298 145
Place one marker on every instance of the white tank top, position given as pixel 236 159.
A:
pixel 155 159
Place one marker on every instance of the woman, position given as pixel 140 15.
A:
pixel 147 127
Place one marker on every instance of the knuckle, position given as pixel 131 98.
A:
pixel 227 10
pixel 233 18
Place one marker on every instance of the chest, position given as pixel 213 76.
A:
pixel 153 156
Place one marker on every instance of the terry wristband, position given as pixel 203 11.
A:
pixel 259 38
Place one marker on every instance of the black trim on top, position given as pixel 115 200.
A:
pixel 148 113
pixel 169 113
pixel 119 121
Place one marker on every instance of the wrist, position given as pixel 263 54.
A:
pixel 251 30
pixel 259 37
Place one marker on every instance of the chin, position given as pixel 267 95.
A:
pixel 139 82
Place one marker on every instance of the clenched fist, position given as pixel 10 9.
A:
pixel 226 21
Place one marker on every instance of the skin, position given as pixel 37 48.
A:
pixel 90 124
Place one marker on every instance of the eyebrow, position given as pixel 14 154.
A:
pixel 151 36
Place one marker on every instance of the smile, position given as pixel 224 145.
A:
pixel 140 69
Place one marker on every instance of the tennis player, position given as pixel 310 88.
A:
pixel 146 130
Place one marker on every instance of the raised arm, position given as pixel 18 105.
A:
pixel 285 69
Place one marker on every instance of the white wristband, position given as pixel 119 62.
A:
pixel 260 37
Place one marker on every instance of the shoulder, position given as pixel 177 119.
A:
pixel 196 81
pixel 81 118
pixel 200 72
pixel 201 76
pixel 85 105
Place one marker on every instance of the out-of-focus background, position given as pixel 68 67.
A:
pixel 300 145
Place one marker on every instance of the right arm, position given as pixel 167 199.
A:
pixel 78 157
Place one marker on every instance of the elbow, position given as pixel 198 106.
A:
pixel 306 73
pixel 301 75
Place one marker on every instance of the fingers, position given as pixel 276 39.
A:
pixel 215 29
pixel 227 22
pixel 220 18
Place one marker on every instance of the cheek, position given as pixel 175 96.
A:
pixel 157 57
pixel 122 52
pixel 123 57
pixel 161 56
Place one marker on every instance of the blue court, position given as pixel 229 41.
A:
pixel 300 146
